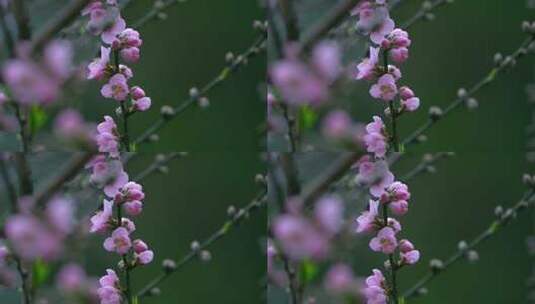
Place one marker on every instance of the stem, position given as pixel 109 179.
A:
pixel 125 137
pixel 393 113
pixel 153 13
pixel 8 38
pixel 26 297
pixel 57 23
pixel 332 19
pixel 290 272
pixel 125 262
pixel 317 186
pixel 75 165
pixel 290 122
pixel 11 192
pixel 20 11
pixel 290 19
pixel 393 265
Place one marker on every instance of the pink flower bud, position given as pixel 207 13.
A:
pixel 399 55
pixel 405 93
pixel 140 246
pixel 142 104
pixel 130 55
pixel 133 208
pixel 411 104
pixel 405 245
pixel 137 92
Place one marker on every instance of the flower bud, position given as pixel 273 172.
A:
pixel 194 93
pixel 155 291
pixel 137 92
pixel 463 246
pixel 462 93
pixel 472 256
pixel 231 210
pixel 195 246
pixel 204 102
pixel 435 113
pixel 436 265
pixel 168 265
pixel 471 103
pixel 498 211
pixel 498 58
pixel 167 112
pixel 205 256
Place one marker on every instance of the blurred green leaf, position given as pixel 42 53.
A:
pixel 37 119
pixel 307 118
pixel 308 271
pixel 40 273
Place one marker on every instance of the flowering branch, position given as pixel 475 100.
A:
pixel 169 113
pixel 170 266
pixel 438 267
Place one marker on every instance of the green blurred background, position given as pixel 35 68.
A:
pixel 187 49
pixel 453 51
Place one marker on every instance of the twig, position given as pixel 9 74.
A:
pixel 290 272
pixel 330 175
pixel 11 192
pixel 240 61
pixel 20 11
pixel 423 11
pixel 8 38
pixel 527 199
pixel 423 166
pixel 289 15
pixel 413 137
pixel 393 263
pixel 75 165
pixel 258 201
pixel 158 162
pixel 331 19
pixel 62 20
pixel 153 13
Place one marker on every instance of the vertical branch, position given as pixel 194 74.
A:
pixel 8 38
pixel 292 35
pixel 125 138
pixel 23 168
pixel 290 19
pixel 11 192
pixel 392 261
pixel 20 10
pixel 126 266
pixel 392 110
